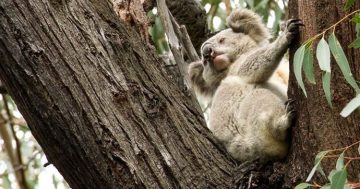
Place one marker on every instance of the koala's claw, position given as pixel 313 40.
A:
pixel 289 105
pixel 293 25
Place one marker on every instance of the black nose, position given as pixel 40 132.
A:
pixel 207 50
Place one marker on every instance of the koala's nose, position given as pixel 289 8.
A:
pixel 207 50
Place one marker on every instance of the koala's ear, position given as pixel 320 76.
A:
pixel 248 22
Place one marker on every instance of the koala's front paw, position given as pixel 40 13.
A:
pixel 195 70
pixel 292 27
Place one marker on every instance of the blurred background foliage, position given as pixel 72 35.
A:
pixel 23 164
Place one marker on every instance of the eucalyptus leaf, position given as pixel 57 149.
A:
pixel 308 66
pixel 298 62
pixel 355 44
pixel 340 162
pixel 339 179
pixel 302 185
pixel 356 18
pixel 331 174
pixel 342 61
pixel 326 186
pixel 323 55
pixel 326 82
pixel 318 159
pixel 351 106
pixel 320 170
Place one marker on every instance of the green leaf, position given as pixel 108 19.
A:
pixel 331 174
pixel 342 61
pixel 323 55
pixel 320 170
pixel 357 29
pixel 302 185
pixel 338 180
pixel 309 66
pixel 347 186
pixel 326 81
pixel 318 159
pixel 298 61
pixel 349 4
pixel 340 162
pixel 356 18
pixel 351 106
pixel 326 186
pixel 355 44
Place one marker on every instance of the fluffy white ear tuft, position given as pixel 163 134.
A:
pixel 248 22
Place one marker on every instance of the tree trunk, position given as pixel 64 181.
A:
pixel 318 127
pixel 98 101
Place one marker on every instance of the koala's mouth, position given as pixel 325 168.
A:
pixel 211 57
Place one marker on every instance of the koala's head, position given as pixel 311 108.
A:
pixel 246 32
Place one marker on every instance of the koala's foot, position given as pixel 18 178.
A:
pixel 280 127
pixel 290 109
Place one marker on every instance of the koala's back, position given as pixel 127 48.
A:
pixel 241 117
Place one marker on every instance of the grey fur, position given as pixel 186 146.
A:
pixel 248 112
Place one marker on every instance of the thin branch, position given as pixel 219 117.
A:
pixel 24 166
pixel 185 40
pixel 174 44
pixel 331 27
pixel 17 153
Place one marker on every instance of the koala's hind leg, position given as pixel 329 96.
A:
pixel 281 125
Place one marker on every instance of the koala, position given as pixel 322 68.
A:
pixel 248 112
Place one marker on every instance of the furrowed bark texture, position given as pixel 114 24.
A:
pixel 98 101
pixel 318 127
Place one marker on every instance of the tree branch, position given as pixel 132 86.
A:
pixel 191 14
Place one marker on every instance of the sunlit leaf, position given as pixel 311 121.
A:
pixel 309 66
pixel 342 61
pixel 302 185
pixel 326 186
pixel 323 55
pixel 349 4
pixel 351 106
pixel 318 159
pixel 338 180
pixel 340 162
pixel 298 62
pixel 355 44
pixel 326 82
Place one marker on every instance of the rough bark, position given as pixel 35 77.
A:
pixel 99 103
pixel 318 127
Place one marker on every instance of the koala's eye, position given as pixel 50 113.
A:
pixel 222 40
